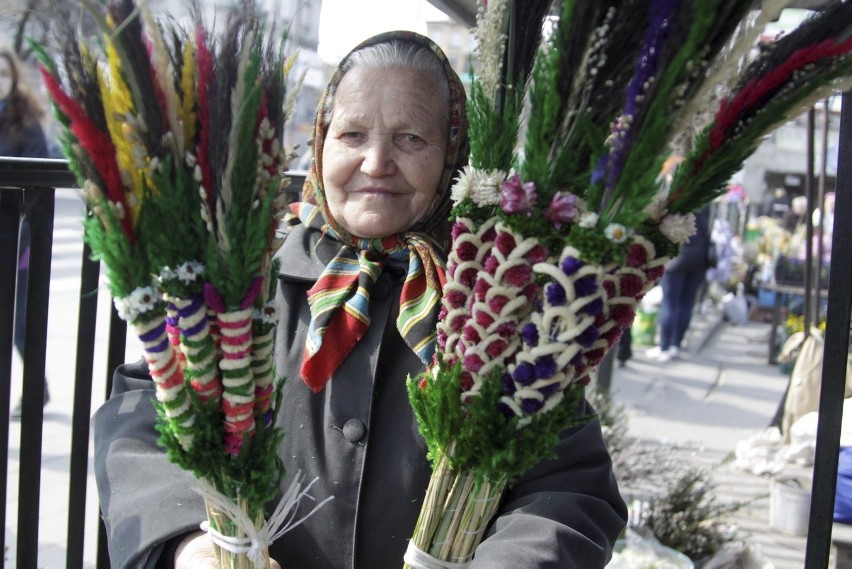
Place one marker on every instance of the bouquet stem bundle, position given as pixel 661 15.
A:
pixel 454 517
pixel 234 555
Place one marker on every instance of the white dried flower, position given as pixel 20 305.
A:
pixel 138 302
pixel 190 271
pixel 487 187
pixel 588 220
pixel 462 187
pixel 678 228
pixel 616 233
pixel 167 274
pixel 266 314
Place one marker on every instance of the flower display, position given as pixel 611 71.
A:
pixel 175 139
pixel 542 282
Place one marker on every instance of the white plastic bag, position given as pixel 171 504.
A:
pixel 735 307
pixel 739 555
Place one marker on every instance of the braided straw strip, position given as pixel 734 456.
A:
pixel 263 372
pixel 237 378
pixel 166 372
pixel 198 347
pixel 463 264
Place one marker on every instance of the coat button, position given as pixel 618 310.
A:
pixel 381 290
pixel 353 430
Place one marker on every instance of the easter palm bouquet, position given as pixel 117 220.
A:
pixel 559 230
pixel 175 139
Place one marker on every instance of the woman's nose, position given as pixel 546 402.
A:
pixel 378 157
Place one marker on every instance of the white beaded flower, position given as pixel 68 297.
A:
pixel 678 228
pixel 588 220
pixel 487 187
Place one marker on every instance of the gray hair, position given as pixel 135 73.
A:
pixel 395 53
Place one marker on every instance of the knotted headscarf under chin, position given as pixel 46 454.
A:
pixel 339 300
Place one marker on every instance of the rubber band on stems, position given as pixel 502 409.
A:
pixel 257 540
pixel 416 558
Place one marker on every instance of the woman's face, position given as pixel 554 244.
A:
pixel 6 78
pixel 384 152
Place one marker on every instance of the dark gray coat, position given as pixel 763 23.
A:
pixel 360 438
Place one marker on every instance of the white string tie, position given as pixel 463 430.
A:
pixel 419 559
pixel 257 540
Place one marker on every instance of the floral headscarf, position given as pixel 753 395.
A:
pixel 339 300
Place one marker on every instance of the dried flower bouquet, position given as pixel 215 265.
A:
pixel 175 139
pixel 554 246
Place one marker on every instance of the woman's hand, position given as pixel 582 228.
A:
pixel 196 552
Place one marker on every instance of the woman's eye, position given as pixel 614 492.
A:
pixel 351 135
pixel 410 139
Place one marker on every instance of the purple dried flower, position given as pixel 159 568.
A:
pixel 518 196
pixel 505 410
pixel 549 390
pixel 653 43
pixel 577 359
pixel 529 333
pixel 571 265
pixel 507 384
pixel 562 209
pixel 585 286
pixel 545 367
pixel 594 307
pixel 524 373
pixel 555 294
pixel 530 406
pixel 589 336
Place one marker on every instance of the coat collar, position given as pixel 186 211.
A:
pixel 304 254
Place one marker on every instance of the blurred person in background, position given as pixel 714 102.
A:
pixel 21 136
pixel 684 276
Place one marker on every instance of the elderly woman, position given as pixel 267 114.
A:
pixel 389 135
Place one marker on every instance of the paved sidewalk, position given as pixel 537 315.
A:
pixel 702 404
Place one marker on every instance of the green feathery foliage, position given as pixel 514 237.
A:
pixel 127 266
pixel 507 451
pixel 173 203
pixel 496 129
pixel 542 124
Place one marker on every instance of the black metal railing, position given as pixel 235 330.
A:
pixel 28 192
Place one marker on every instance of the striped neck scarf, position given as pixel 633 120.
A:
pixel 339 300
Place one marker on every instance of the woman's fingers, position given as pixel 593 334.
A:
pixel 195 552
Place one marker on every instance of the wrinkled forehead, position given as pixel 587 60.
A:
pixel 395 97
pixel 411 58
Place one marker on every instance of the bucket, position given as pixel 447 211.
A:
pixel 789 506
pixel 644 328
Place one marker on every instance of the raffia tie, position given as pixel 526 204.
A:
pixel 255 541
